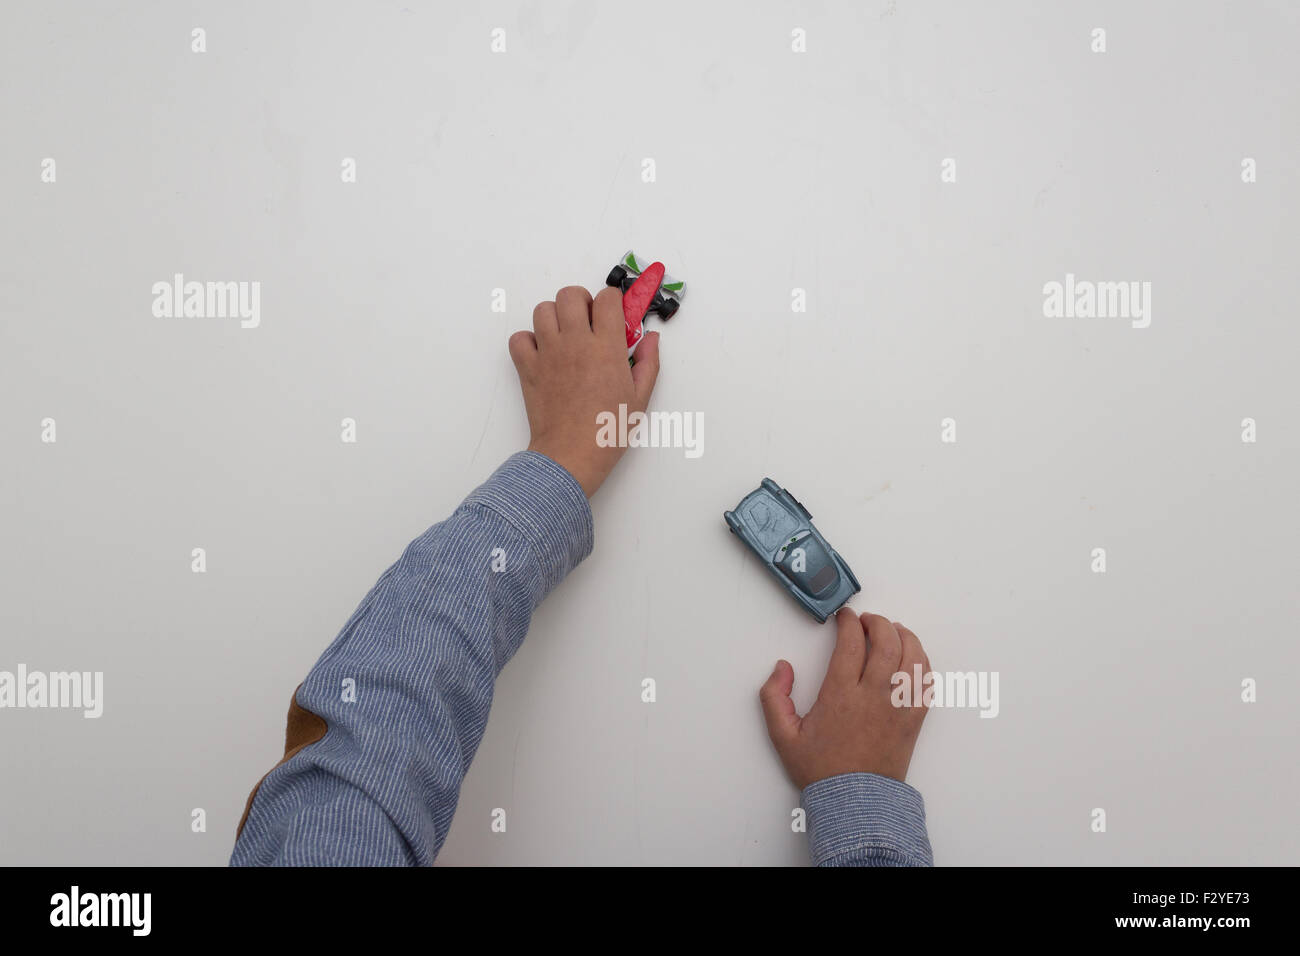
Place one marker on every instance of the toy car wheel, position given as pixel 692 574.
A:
pixel 616 276
pixel 669 309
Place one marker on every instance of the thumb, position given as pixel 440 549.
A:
pixel 646 369
pixel 778 709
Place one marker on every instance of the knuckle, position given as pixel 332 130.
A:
pixel 572 292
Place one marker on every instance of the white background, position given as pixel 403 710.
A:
pixel 775 170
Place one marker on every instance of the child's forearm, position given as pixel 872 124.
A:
pixel 387 721
pixel 865 819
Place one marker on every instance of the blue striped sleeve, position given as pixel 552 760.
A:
pixel 864 819
pixel 403 693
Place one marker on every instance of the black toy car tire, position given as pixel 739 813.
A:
pixel 616 276
pixel 669 309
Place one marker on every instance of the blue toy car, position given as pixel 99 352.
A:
pixel 779 529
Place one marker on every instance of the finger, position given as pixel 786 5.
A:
pixel 778 708
pixel 913 653
pixel 886 651
pixel 607 316
pixel 850 654
pixel 573 304
pixel 646 369
pixel 546 324
pixel 523 348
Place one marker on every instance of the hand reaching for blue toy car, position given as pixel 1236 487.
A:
pixel 854 726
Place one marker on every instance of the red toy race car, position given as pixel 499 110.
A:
pixel 646 289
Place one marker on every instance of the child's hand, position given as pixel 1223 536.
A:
pixel 572 366
pixel 853 727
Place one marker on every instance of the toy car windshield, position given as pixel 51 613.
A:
pixel 779 529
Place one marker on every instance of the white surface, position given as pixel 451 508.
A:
pixel 775 170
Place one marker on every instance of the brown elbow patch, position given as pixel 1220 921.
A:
pixel 301 729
